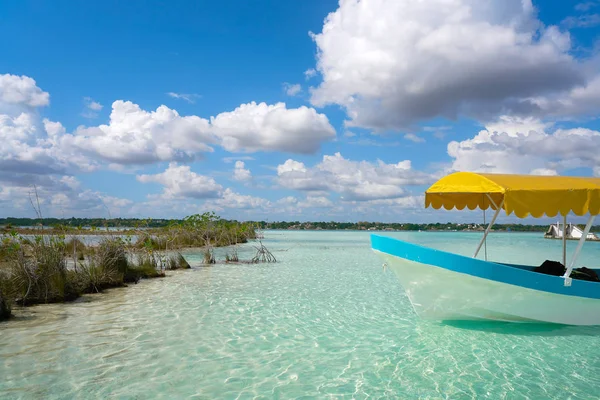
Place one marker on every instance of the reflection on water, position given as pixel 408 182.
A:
pixel 325 320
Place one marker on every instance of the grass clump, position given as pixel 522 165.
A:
pixel 147 265
pixel 151 242
pixel 75 246
pixel 38 272
pixel 208 257
pixel 5 309
pixel 177 261
pixel 232 256
pixel 76 249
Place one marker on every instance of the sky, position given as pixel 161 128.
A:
pixel 288 110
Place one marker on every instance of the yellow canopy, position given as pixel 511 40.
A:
pixel 522 194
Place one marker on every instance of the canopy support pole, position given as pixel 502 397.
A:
pixel 564 240
pixel 582 239
pixel 489 227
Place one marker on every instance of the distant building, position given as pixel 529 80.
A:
pixel 573 232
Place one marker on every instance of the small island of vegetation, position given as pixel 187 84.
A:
pixel 40 265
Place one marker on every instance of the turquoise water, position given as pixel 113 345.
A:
pixel 326 321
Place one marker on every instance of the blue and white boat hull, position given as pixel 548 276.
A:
pixel 446 286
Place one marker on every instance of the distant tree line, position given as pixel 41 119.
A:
pixel 90 222
pixel 292 225
pixel 363 225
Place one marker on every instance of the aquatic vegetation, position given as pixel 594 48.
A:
pixel 38 272
pixel 75 247
pixel 232 255
pixel 177 261
pixel 263 255
pixel 56 265
pixel 5 309
pixel 209 257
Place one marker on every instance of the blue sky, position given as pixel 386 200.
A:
pixel 312 110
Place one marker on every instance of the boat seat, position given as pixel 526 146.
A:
pixel 556 268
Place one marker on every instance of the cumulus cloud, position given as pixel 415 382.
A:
pixel 58 196
pixel 315 202
pixel 240 173
pixel 292 89
pixel 136 136
pixel 353 180
pixel 439 58
pixel 32 156
pixel 260 127
pixel 526 146
pixel 21 90
pixel 180 181
pixel 29 146
pixel 231 199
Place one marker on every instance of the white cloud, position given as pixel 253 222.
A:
pixel 21 90
pixel 310 73
pixel 240 173
pixel 189 97
pixel 582 21
pixel 136 136
pixel 91 108
pixel 25 147
pixel 260 127
pixel 315 202
pixel 414 138
pixel 92 105
pixel 231 199
pixel 526 146
pixel 30 151
pixel 292 89
pixel 180 181
pixel 439 132
pixel 372 142
pixel 544 171
pixel 423 59
pixel 229 160
pixel 353 180
pixel 60 197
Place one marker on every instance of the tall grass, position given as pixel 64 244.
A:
pixel 38 272
pixel 60 267
pixel 177 261
pixel 5 309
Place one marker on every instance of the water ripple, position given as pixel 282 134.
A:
pixel 325 323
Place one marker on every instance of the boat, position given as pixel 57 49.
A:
pixel 573 232
pixel 446 286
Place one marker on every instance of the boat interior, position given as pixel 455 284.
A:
pixel 558 269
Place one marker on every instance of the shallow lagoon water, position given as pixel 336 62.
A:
pixel 326 321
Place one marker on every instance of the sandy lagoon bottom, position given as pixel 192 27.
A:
pixel 326 322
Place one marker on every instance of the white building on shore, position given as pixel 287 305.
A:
pixel 555 231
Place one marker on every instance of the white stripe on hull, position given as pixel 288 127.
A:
pixel 441 294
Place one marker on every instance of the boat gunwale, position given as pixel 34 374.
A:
pixel 495 271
